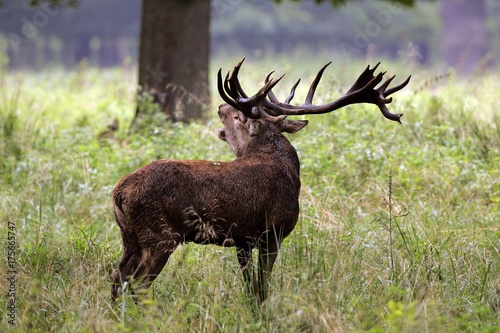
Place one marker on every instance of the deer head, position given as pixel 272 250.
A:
pixel 243 133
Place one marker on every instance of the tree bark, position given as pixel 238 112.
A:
pixel 466 41
pixel 173 56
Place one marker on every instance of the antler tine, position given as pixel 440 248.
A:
pixel 292 92
pixel 389 115
pixel 262 93
pixel 314 85
pixel 364 78
pixel 384 85
pixel 228 88
pixel 268 77
pixel 270 85
pixel 222 92
pixel 271 95
pixel 234 83
pixel 392 90
pixel 374 67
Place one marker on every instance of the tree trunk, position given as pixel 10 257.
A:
pixel 466 41
pixel 173 56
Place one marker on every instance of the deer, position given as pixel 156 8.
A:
pixel 251 202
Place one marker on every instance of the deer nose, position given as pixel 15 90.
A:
pixel 222 135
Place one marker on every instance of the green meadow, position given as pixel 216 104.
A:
pixel 399 228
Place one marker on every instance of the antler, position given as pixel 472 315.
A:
pixel 265 104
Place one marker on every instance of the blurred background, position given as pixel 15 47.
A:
pixel 106 33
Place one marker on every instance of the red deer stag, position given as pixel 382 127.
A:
pixel 251 202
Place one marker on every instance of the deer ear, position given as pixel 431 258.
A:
pixel 293 126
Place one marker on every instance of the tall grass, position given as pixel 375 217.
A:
pixel 399 228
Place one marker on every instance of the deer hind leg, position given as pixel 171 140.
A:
pixel 131 256
pixel 130 260
pixel 154 256
pixel 149 268
pixel 244 254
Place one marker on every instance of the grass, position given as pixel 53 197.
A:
pixel 399 228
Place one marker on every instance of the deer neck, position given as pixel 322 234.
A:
pixel 280 151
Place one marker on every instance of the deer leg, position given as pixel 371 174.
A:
pixel 121 275
pixel 151 264
pixel 268 252
pixel 130 259
pixel 244 254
